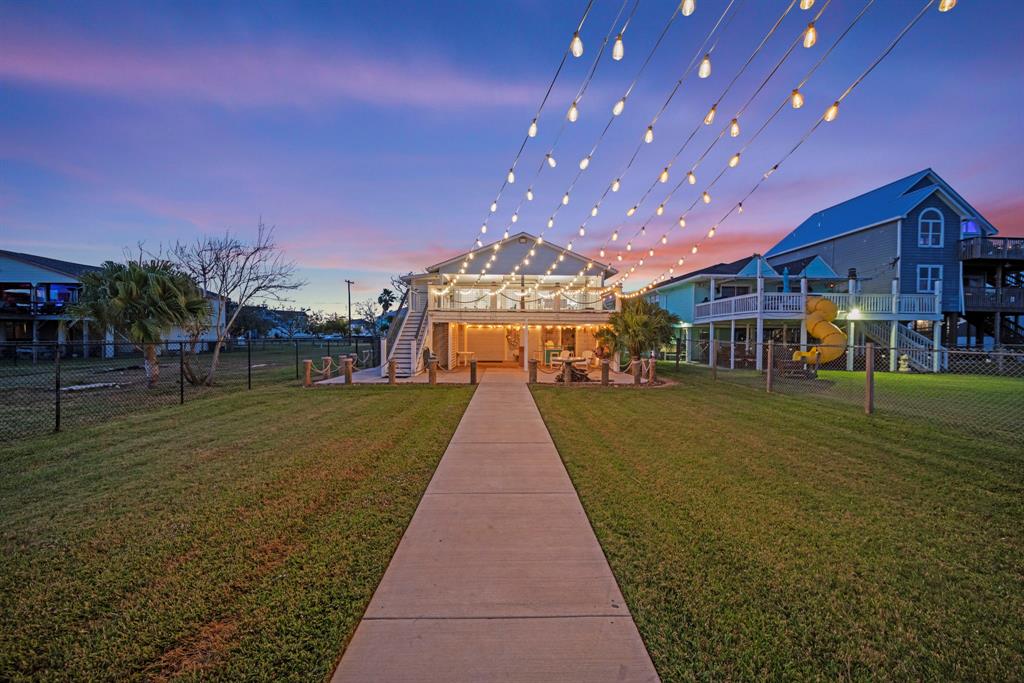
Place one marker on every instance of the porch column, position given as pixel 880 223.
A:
pixel 525 335
pixel 894 338
pixel 851 332
pixel 936 345
pixel 711 344
pixel 85 339
pixel 732 344
pixel 759 360
pixel 803 316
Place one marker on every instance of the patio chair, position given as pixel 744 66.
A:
pixel 589 357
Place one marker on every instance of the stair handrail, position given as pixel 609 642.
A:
pixel 395 331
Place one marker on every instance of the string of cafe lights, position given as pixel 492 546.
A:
pixel 684 9
pixel 732 128
pixel 795 99
pixel 830 114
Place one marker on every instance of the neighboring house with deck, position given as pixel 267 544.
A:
pixel 518 298
pixel 36 293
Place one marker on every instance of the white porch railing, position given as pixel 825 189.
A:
pixel 491 300
pixel 786 304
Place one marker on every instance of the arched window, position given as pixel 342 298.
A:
pixel 930 228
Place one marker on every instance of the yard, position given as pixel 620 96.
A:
pixel 784 537
pixel 237 537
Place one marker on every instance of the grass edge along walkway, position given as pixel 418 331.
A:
pixel 760 536
pixel 238 537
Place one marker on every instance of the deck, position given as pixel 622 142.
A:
pixel 791 306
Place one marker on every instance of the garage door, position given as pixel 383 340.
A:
pixel 489 344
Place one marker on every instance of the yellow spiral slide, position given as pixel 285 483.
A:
pixel 820 314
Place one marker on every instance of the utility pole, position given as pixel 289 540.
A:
pixel 349 283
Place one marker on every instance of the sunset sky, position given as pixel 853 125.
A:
pixel 375 135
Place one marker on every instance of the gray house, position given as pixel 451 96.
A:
pixel 917 235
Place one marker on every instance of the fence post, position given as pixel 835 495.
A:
pixel 308 381
pixel 771 366
pixel 532 363
pixel 869 379
pixel 654 363
pixel 472 370
pixel 604 372
pixel 391 370
pixel 713 350
pixel 56 388
pixel 248 362
pixel 432 370
pixel 679 347
pixel 348 370
pixel 181 373
pixel 296 342
pixel 637 364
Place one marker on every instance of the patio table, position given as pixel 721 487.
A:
pixel 463 357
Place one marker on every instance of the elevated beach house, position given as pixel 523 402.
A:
pixel 518 298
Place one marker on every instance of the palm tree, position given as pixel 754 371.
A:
pixel 142 300
pixel 640 326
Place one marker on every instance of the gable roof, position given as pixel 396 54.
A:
pixel 512 250
pixel 736 267
pixel 888 202
pixel 69 268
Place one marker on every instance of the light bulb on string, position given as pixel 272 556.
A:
pixel 832 112
pixel 616 185
pixel 494 206
pixel 641 263
pixel 593 211
pixel 619 106
pixel 694 249
pixel 946 5
pixel 479 243
pixel 711 233
pixel 483 228
pixel 650 252
pixel 649 135
pixel 705 67
pixel 576 45
pixel 583 231
pixel 629 246
pixel 806 4
pixel 681 261
pixel 511 176
pixel 515 217
pixel 631 211
pixel 618 49
pixel 811 35
pixel 734 128
pixel 529 194
pixel 691 178
pixel 505 236
pixel 601 253
pixel 664 239
pixel 660 210
pixel 706 198
pixel 551 160
pixel 584 162
pixel 615 235
pixel 682 222
pixel 710 118
pixel 734 160
pixel 565 199
pixel 687 7
pixel 796 99
pixel 574 113
pixel 551 222
pixel 619 256
pixel 739 207
pixel 663 177
pixel 532 132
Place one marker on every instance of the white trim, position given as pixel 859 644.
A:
pixel 931 281
pixel 922 220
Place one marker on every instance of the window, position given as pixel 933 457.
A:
pixel 929 228
pixel 969 228
pixel 927 276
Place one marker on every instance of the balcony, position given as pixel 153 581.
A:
pixel 990 299
pixel 992 248
pixel 776 305
pixel 492 305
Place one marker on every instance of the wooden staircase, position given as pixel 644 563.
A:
pixel 917 347
pixel 406 348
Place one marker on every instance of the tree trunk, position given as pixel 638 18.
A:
pixel 214 361
pixel 152 364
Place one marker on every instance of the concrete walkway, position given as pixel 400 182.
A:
pixel 499 576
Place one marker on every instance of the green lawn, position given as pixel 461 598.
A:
pixel 238 537
pixel 785 537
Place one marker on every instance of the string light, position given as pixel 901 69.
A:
pixel 734 128
pixel 682 222
pixel 734 160
pixel 576 46
pixel 946 5
pixel 705 67
pixel 631 211
pixel 663 177
pixel 483 228
pixel 615 235
pixel 710 118
pixel 551 160
pixel 691 177
pixel 711 233
pixel 532 132
pixel 551 222
pixel 494 206
pixel 664 239
pixel 832 112
pixel 706 197
pixel 565 199
pixel 806 4
pixel 616 185
pixel 811 35
pixel 660 210
pixel 618 49
pixel 574 113
pixel 593 211
pixel 584 162
pixel 689 6
pixel 649 135
pixel 515 217
pixel 529 194
pixel 797 99
pixel 583 231
pixel 619 106
pixel 511 176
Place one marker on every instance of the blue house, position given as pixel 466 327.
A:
pixel 917 235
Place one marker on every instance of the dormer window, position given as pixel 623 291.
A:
pixel 930 226
pixel 969 228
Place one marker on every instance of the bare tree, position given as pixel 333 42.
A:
pixel 399 285
pixel 370 312
pixel 230 269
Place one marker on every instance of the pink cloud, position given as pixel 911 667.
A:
pixel 247 75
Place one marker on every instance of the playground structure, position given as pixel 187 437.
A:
pixel 820 314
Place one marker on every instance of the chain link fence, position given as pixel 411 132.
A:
pixel 981 392
pixel 50 386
